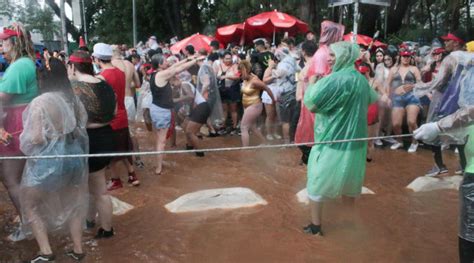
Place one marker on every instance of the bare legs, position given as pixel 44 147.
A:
pixel 160 146
pixel 232 107
pixel 12 171
pixel 249 122
pixel 192 128
pixel 397 119
pixel 100 201
pixel 372 133
pixel 270 121
pixel 316 210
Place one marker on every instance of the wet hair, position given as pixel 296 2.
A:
pixel 190 49
pixel 83 67
pixel 202 52
pixel 245 64
pixel 213 57
pixel 22 44
pixel 226 53
pixel 55 78
pixel 290 41
pixel 309 48
pixel 157 60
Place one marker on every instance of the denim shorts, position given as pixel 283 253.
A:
pixel 407 99
pixel 160 117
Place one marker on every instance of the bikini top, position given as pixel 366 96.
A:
pixel 397 80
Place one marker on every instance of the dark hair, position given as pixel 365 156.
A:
pixel 83 67
pixel 213 57
pixel 190 49
pixel 259 43
pixel 84 48
pixel 55 78
pixel 227 53
pixel 289 41
pixel 215 44
pixel 309 48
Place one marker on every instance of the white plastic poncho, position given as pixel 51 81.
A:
pixel 207 86
pixel 54 190
pixel 144 100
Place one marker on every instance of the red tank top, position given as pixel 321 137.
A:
pixel 116 79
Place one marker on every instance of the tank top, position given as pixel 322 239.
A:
pixel 162 96
pixel 397 80
pixel 250 95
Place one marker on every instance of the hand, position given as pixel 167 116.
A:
pixel 271 63
pixel 400 90
pixel 427 132
pixel 385 99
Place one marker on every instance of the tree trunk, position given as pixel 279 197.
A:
pixel 396 11
pixel 430 19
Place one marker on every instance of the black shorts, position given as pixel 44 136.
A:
pixel 230 94
pixel 287 107
pixel 123 143
pixel 200 113
pixel 101 140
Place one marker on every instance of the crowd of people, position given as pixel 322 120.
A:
pixel 92 101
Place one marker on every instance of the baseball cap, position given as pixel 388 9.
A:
pixel 438 51
pixel 453 37
pixel 102 51
pixel 7 33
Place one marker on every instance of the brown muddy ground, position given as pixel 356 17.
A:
pixel 394 225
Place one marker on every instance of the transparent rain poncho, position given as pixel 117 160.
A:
pixel 340 101
pixel 207 86
pixel 53 191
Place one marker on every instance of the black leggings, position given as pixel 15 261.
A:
pixel 305 150
pixel 466 251
pixel 438 156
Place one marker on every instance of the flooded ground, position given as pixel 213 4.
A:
pixel 394 225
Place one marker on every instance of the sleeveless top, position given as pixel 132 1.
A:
pixel 250 95
pixel 397 80
pixel 98 99
pixel 162 96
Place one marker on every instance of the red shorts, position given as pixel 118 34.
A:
pixel 373 114
pixel 13 124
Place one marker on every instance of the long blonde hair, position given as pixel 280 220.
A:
pixel 22 44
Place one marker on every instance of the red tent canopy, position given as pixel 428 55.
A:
pixel 230 34
pixel 197 40
pixel 364 40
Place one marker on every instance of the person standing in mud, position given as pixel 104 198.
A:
pixel 18 87
pixel 340 102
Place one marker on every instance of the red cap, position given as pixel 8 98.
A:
pixel 450 36
pixel 438 51
pixel 8 33
pixel 406 53
pixel 75 59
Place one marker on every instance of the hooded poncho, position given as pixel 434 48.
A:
pixel 340 101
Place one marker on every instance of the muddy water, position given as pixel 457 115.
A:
pixel 395 225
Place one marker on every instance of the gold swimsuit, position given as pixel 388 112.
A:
pixel 250 95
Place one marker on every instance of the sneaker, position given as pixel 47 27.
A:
pixel 390 140
pixel 276 136
pixel 42 258
pixel 90 224
pixel 114 184
pixel 444 147
pixel 313 230
pixel 413 148
pixel 456 151
pixel 213 134
pixel 222 132
pixel 132 179
pixel 178 128
pixel 269 137
pixel 139 164
pixel 378 142
pixel 396 146
pixel 199 154
pixel 75 256
pixel 436 171
pixel 459 171
pixel 101 233
pixel 234 131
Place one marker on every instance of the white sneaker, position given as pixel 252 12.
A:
pixel 178 128
pixel 277 136
pixel 390 140
pixel 413 147
pixel 269 137
pixel 378 142
pixel 444 147
pixel 396 146
pixel 456 151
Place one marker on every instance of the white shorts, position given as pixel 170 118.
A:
pixel 130 107
pixel 266 99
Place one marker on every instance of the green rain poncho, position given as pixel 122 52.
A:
pixel 340 102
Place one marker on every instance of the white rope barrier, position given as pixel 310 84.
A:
pixel 225 149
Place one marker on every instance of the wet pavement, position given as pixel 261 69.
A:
pixel 394 225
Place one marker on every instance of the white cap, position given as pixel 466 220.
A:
pixel 102 51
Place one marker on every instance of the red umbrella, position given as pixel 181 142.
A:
pixel 364 40
pixel 230 34
pixel 267 23
pixel 197 40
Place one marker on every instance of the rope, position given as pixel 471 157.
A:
pixel 226 149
